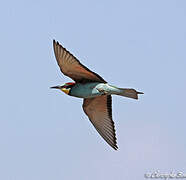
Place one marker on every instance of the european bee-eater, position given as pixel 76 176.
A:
pixel 95 91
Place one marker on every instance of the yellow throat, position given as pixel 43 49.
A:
pixel 66 91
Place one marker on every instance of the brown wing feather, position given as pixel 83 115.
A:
pixel 71 66
pixel 99 111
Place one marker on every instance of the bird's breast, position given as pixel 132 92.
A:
pixel 87 90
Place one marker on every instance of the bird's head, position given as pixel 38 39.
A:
pixel 65 88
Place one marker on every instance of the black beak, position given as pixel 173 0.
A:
pixel 56 87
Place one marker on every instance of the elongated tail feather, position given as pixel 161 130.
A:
pixel 130 93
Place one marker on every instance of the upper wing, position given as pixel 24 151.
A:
pixel 99 111
pixel 71 66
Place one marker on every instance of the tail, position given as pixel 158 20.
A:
pixel 130 93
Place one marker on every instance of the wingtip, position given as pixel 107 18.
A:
pixel 115 147
pixel 54 41
pixel 140 92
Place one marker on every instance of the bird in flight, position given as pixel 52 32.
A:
pixel 95 91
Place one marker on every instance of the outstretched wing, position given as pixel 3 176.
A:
pixel 99 111
pixel 71 66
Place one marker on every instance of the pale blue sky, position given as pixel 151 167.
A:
pixel 44 134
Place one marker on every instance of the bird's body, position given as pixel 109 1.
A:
pixel 95 91
pixel 87 90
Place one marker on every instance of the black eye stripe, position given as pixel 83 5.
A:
pixel 70 86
